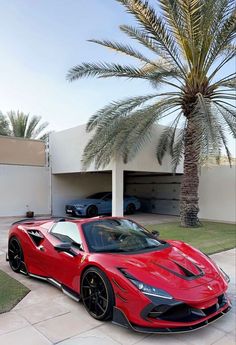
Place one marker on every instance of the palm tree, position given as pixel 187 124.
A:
pixel 189 43
pixel 4 125
pixel 24 126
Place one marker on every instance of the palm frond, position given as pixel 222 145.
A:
pixel 121 137
pixel 156 27
pixel 4 125
pixel 228 78
pixel 215 12
pixel 22 125
pixel 226 103
pixel 116 109
pixel 225 144
pixel 130 138
pixel 218 96
pixel 221 39
pixel 44 137
pixel 229 117
pixel 123 48
pixel 207 126
pixel 143 38
pixel 173 16
pixel 140 134
pixel 230 55
pixel 18 122
pixel 105 70
pixel 167 138
pixel 230 83
pixel 178 147
pixel 191 13
pixel 102 70
pixel 204 109
pixel 32 123
pixel 40 129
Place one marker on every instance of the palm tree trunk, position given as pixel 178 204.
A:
pixel 189 187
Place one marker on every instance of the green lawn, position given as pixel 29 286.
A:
pixel 210 238
pixel 11 292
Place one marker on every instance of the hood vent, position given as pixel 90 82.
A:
pixel 187 274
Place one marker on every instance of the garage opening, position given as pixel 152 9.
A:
pixel 158 192
pixel 72 186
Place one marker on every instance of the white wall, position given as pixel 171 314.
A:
pixel 66 148
pixel 217 193
pixel 24 185
pixel 67 187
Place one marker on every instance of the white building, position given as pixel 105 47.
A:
pixel 27 183
pixel 143 177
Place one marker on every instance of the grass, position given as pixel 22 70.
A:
pixel 11 292
pixel 210 238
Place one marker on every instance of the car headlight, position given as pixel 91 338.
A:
pixel 145 288
pixel 150 290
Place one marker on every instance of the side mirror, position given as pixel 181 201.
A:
pixel 65 247
pixel 155 233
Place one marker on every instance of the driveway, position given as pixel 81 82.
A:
pixel 46 316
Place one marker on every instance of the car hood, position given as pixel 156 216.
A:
pixel 178 269
pixel 83 202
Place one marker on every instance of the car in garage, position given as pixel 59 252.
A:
pixel 122 272
pixel 100 203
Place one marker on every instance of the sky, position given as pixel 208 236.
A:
pixel 41 40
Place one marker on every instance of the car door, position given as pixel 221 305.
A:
pixel 106 205
pixel 63 266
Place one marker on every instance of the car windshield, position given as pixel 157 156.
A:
pixel 97 195
pixel 118 235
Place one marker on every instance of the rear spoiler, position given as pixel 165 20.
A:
pixel 56 218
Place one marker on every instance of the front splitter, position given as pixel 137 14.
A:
pixel 120 319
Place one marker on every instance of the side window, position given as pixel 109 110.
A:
pixel 108 197
pixel 66 231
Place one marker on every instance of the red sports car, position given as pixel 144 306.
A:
pixel 122 272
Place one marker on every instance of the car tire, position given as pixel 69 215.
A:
pixel 97 294
pixel 15 254
pixel 130 209
pixel 92 211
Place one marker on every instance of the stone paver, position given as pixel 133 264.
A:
pixel 11 322
pixel 27 336
pixel 148 218
pixel 204 336
pixel 161 339
pixel 120 334
pixel 46 316
pixel 66 326
pixel 227 340
pixel 40 312
pixel 92 337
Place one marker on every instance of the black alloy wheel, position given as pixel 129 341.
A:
pixel 130 209
pixel 97 294
pixel 92 211
pixel 15 254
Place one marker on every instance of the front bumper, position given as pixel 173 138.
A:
pixel 175 318
pixel 73 211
